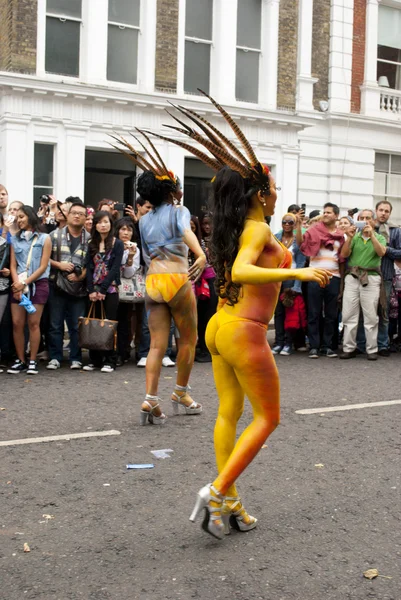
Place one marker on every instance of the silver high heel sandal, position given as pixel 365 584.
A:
pixel 213 514
pixel 148 414
pixel 176 400
pixel 236 516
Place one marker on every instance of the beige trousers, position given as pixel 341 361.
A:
pixel 356 297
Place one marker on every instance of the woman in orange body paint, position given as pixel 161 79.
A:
pixel 250 266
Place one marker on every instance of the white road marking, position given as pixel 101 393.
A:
pixel 312 411
pixel 57 438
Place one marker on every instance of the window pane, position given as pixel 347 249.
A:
pixel 396 163
pixel 389 31
pixel 199 19
pixel 249 19
pixel 66 8
pixel 124 11
pixel 382 162
pixel 394 188
pixel 247 77
pixel 380 184
pixel 122 54
pixel 197 67
pixel 62 47
pixel 43 165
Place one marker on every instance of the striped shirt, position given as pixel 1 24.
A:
pixel 327 259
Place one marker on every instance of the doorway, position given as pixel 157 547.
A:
pixel 197 186
pixel 108 175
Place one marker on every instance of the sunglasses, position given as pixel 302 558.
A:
pixel 288 222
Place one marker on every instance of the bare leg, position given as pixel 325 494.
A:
pixel 18 314
pixel 34 330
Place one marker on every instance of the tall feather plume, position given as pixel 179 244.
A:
pixel 195 117
pixel 245 144
pixel 134 157
pixel 213 163
pixel 164 169
pixel 218 152
pixel 159 168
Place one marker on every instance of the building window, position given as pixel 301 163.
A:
pixel 198 43
pixel 249 20
pixel 388 179
pixel 63 31
pixel 123 36
pixel 42 171
pixel 389 48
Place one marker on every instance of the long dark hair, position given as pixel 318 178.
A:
pixel 197 232
pixel 230 204
pixel 95 235
pixel 33 219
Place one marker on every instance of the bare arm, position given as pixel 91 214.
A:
pixel 299 236
pixel 44 261
pixel 254 239
pixel 195 271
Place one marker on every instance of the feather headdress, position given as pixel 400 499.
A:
pixel 223 151
pixel 153 163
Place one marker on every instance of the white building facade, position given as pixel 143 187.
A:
pixel 98 69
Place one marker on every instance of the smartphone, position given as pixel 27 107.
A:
pixel 360 224
pixel 120 206
pixel 10 219
pixel 303 207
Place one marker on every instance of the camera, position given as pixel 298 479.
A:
pixel 360 225
pixel 45 199
pixel 303 208
pixel 78 270
pixel 120 206
pixel 353 212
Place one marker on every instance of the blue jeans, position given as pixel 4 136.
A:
pixel 64 307
pixel 382 336
pixel 144 344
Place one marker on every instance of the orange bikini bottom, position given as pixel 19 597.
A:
pixel 162 287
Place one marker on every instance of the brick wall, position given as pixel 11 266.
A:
pixel 358 54
pixel 287 54
pixel 18 31
pixel 166 45
pixel 321 50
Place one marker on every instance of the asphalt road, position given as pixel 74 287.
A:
pixel 326 490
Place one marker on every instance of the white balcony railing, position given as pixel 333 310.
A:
pixel 390 102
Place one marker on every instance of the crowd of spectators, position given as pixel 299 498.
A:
pixel 359 309
pixel 65 258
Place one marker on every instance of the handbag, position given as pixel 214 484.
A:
pixel 133 290
pixel 97 334
pixel 73 288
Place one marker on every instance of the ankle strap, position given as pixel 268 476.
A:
pixel 181 388
pixel 150 397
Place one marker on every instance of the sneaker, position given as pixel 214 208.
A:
pixel 89 368
pixel 203 357
pixel 330 353
pixel 373 356
pixel 44 355
pixel 141 362
pixel 167 362
pixel 286 351
pixel 313 353
pixel 1 370
pixel 384 352
pixel 18 367
pixel 277 349
pixel 107 369
pixel 302 349
pixel 32 368
pixel 76 365
pixel 53 365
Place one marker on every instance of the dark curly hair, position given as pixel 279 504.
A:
pixel 156 191
pixel 230 204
